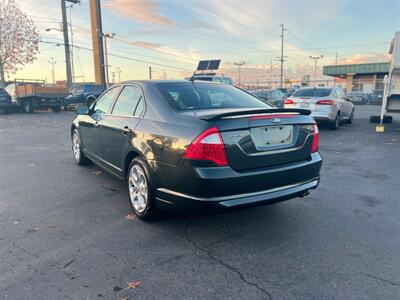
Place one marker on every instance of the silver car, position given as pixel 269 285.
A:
pixel 326 104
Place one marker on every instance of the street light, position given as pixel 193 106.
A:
pixel 105 36
pixel 239 65
pixel 315 58
pixel 52 62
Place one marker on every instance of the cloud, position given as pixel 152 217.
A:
pixel 365 58
pixel 142 11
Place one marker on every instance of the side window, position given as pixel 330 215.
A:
pixel 128 102
pixel 104 103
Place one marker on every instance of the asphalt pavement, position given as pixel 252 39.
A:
pixel 67 233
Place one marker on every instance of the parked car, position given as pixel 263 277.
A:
pixel 213 78
pixel 377 97
pixel 274 97
pixel 197 144
pixel 326 104
pixel 5 101
pixel 83 93
pixel 286 91
pixel 356 97
pixel 36 94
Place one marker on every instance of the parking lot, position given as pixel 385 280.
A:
pixel 65 233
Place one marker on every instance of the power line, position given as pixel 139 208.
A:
pixel 123 57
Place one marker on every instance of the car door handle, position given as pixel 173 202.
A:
pixel 126 130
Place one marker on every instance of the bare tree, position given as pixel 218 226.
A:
pixel 18 39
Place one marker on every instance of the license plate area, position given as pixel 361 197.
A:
pixel 272 136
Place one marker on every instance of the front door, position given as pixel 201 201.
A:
pixel 89 125
pixel 118 128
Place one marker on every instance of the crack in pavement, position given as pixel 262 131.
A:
pixel 382 279
pixel 221 262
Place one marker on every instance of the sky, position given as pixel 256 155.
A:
pixel 172 36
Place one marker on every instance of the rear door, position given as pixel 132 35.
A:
pixel 266 140
pixel 118 128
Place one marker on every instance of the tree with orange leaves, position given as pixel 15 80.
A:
pixel 18 39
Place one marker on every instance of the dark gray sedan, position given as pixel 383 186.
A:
pixel 185 144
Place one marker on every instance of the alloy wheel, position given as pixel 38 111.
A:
pixel 76 147
pixel 138 188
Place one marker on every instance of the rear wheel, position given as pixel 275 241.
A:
pixel 351 119
pixel 56 109
pixel 79 156
pixel 336 123
pixel 28 107
pixel 140 190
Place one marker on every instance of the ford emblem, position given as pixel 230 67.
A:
pixel 276 120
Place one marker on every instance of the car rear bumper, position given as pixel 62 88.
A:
pixel 228 188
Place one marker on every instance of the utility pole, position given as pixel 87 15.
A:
pixel 118 70
pixel 336 59
pixel 315 58
pixel 113 77
pixel 239 65
pixel 282 58
pixel 150 73
pixel 72 44
pixel 52 62
pixel 66 43
pixel 107 35
pixel 97 42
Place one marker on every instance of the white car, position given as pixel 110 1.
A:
pixel 326 104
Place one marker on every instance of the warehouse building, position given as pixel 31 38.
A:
pixel 366 78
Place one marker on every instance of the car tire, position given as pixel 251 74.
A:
pixel 336 123
pixel 351 119
pixel 141 190
pixel 56 109
pixel 27 105
pixel 79 156
pixel 377 119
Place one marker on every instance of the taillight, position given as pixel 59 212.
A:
pixel 289 101
pixel 315 142
pixel 325 102
pixel 208 146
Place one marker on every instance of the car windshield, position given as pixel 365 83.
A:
pixel 192 95
pixel 312 93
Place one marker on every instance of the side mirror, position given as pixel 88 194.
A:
pixel 82 109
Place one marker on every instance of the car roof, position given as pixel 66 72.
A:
pixel 153 82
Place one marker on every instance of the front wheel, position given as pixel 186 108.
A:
pixel 56 109
pixel 140 190
pixel 79 156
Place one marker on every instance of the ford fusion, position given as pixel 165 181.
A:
pixel 193 144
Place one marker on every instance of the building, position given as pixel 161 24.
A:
pixel 359 77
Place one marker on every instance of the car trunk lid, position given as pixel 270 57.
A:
pixel 263 137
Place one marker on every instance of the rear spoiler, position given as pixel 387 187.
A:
pixel 213 117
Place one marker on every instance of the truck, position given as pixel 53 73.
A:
pixel 32 94
pixel 391 91
pixel 83 93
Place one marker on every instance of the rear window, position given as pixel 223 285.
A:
pixel 192 95
pixel 312 93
